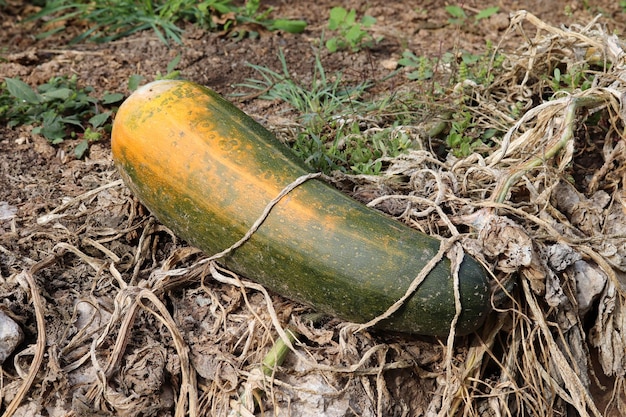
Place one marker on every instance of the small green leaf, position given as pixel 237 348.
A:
pixel 354 35
pixel 58 93
pixel 99 119
pixel 469 58
pixel 22 91
pixel 448 57
pixel 425 74
pixel 289 26
pixel 134 81
pixel 81 148
pixel 171 66
pixel 251 7
pixel 337 16
pixel 489 133
pixel 332 45
pixel 111 98
pixel 489 11
pixel 368 21
pixel 456 12
pixel 52 128
pixel 350 18
pixel 70 118
pixel 409 59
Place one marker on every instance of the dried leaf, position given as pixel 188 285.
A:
pixel 608 332
pixel 590 282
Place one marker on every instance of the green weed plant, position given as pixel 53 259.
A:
pixel 58 110
pixel 332 136
pixel 459 17
pixel 349 33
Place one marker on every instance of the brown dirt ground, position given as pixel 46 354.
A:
pixel 72 272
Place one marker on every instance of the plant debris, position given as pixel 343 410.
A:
pixel 161 327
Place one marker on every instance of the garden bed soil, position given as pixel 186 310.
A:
pixel 67 245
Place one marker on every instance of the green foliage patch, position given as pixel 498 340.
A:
pixel 113 19
pixel 331 112
pixel 58 110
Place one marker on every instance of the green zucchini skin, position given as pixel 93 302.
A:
pixel 207 170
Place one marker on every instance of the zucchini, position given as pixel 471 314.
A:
pixel 207 171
